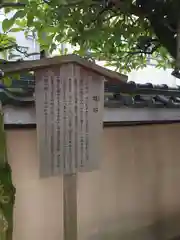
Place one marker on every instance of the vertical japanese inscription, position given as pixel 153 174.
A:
pixel 45 108
pixel 58 121
pixel 65 124
pixel 96 99
pixel 81 121
pixel 52 120
pixel 70 124
pixel 76 122
pixel 69 120
pixel 86 121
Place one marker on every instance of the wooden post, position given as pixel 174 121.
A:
pixel 70 206
pixel 69 111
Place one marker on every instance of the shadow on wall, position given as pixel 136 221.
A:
pixel 165 229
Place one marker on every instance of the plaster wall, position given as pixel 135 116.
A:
pixel 134 195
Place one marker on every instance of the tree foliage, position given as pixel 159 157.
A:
pixel 121 32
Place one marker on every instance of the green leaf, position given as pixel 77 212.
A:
pixel 7 10
pixel 25 1
pixel 21 23
pixel 15 76
pixel 30 18
pixel 7 24
pixel 7 81
pixel 15 29
pixel 52 47
pixel 19 14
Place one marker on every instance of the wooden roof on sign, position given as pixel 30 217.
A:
pixel 46 62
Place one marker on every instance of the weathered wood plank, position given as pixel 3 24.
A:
pixel 69 112
pixel 70 207
pixel 58 60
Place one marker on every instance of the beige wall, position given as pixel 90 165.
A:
pixel 134 195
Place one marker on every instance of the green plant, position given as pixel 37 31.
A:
pixel 7 190
pixel 120 32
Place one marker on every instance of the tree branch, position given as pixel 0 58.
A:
pixel 161 30
pixel 165 36
pixel 137 11
pixel 15 5
pixel 7 47
pixel 125 8
pixel 17 48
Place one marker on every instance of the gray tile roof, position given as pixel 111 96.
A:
pixel 126 94
pixel 135 95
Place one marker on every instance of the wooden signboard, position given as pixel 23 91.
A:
pixel 69 112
